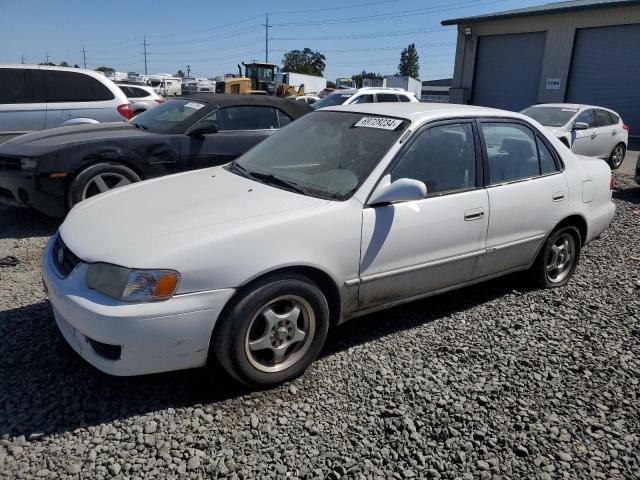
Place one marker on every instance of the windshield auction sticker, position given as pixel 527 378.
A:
pixel 378 122
pixel 194 105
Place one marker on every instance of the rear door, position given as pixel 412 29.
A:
pixel 239 129
pixel 72 95
pixel 22 106
pixel 527 193
pixel 606 133
pixel 584 140
pixel 412 248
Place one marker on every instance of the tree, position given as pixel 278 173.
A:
pixel 76 66
pixel 330 84
pixel 409 62
pixel 364 74
pixel 179 74
pixel 105 69
pixel 50 64
pixel 304 61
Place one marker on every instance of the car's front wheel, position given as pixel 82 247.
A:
pixel 558 258
pixel 617 156
pixel 99 178
pixel 273 331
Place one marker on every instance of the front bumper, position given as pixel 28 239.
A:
pixel 124 339
pixel 27 189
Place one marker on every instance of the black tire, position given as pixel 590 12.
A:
pixel 617 156
pixel 232 334
pixel 81 185
pixel 539 272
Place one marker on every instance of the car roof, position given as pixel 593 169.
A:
pixel 417 111
pixel 291 107
pixel 577 106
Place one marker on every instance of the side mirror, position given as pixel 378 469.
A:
pixel 580 126
pixel 202 129
pixel 402 190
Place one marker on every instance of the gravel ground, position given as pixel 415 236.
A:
pixel 493 381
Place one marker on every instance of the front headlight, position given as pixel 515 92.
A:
pixel 28 164
pixel 131 285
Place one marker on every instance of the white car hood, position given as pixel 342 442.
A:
pixel 150 221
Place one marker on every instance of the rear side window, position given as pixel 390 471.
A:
pixel 387 97
pixel 283 118
pixel 442 157
pixel 247 118
pixel 587 117
pixel 511 151
pixel 547 162
pixel 603 118
pixel 403 98
pixel 16 86
pixel 134 92
pixel 614 118
pixel 74 87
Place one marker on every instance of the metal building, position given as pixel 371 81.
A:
pixel 583 51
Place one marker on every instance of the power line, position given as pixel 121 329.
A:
pixel 339 7
pixel 369 35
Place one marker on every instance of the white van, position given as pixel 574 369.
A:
pixel 166 86
pixel 35 97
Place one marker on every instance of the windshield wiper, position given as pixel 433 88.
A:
pixel 236 167
pixel 137 125
pixel 268 178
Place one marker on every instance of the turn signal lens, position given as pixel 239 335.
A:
pixel 150 285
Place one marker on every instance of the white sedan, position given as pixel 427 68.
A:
pixel 585 129
pixel 344 212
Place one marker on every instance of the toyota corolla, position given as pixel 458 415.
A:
pixel 344 212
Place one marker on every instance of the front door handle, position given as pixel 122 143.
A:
pixel 475 214
pixel 593 135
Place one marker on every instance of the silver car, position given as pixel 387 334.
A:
pixel 143 97
pixel 35 97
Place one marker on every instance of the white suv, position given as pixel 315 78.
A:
pixel 585 129
pixel 35 97
pixel 349 96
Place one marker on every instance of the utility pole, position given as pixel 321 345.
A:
pixel 22 58
pixel 266 38
pixel 145 44
pixel 84 56
pixel 47 58
pixel 188 67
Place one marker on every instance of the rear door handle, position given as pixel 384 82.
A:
pixel 558 197
pixel 475 214
pixel 614 133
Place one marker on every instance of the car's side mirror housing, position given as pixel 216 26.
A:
pixel 202 129
pixel 580 126
pixel 402 190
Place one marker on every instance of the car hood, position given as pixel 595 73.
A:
pixel 44 141
pixel 149 224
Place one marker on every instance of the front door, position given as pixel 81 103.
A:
pixel 411 248
pixel 527 194
pixel 238 130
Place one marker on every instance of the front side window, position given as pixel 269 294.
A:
pixel 442 157
pixel 74 87
pixel 387 97
pixel 368 98
pixel 511 151
pixel 587 117
pixel 16 86
pixel 326 154
pixel 247 118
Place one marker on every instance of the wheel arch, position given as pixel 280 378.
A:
pixel 578 221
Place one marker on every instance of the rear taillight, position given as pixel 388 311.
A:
pixel 159 100
pixel 611 185
pixel 126 110
pixel 626 127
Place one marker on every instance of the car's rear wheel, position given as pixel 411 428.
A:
pixel 273 331
pixel 558 258
pixel 99 178
pixel 617 156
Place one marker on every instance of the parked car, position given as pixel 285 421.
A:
pixel 346 211
pixel 142 97
pixel 585 129
pixel 35 97
pixel 55 169
pixel 637 175
pixel 308 99
pixel 191 86
pixel 347 96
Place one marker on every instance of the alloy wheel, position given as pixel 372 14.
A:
pixel 280 333
pixel 560 258
pixel 104 182
pixel 618 156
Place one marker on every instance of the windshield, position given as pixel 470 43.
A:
pixel 167 115
pixel 332 100
pixel 324 154
pixel 550 116
pixel 261 73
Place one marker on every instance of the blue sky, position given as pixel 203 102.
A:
pixel 213 36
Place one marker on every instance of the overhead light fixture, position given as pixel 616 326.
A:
pixel 467 31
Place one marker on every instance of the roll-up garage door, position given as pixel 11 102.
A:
pixel 508 70
pixel 605 70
